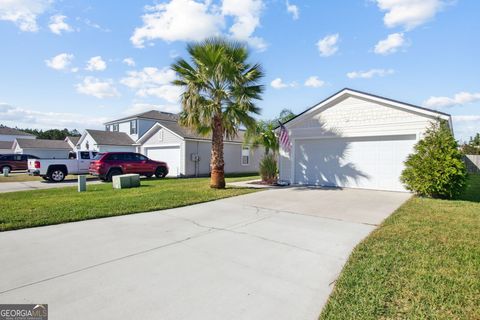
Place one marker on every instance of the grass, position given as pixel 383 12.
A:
pixel 27 209
pixel 22 177
pixel 423 262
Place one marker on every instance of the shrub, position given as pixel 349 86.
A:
pixel 268 168
pixel 435 169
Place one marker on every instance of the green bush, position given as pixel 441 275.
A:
pixel 268 168
pixel 435 169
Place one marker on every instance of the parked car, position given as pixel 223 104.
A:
pixel 107 165
pixel 56 170
pixel 15 161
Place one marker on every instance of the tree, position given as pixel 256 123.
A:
pixel 263 134
pixel 285 115
pixel 435 169
pixel 219 90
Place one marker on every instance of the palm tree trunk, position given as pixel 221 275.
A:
pixel 217 178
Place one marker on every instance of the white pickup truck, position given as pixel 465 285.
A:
pixel 55 170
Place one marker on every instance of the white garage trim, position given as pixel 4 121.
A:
pixel 171 155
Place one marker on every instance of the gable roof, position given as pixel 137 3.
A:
pixel 185 133
pixel 41 144
pixel 112 138
pixel 13 132
pixel 369 96
pixel 152 115
pixel 6 144
pixel 74 140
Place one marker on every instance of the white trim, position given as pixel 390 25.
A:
pixel 162 145
pixel 152 129
pixel 248 156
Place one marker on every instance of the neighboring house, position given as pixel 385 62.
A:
pixel 72 142
pixel 6 147
pixel 42 148
pixel 105 141
pixel 354 139
pixel 159 136
pixel 8 136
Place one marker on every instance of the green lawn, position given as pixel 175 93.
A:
pixel 423 262
pixel 44 207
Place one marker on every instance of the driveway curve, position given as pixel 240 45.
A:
pixel 273 254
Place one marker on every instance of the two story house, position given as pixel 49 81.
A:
pixel 159 136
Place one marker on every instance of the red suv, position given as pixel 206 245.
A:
pixel 15 161
pixel 107 165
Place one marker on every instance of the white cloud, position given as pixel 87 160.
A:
pixel 370 73
pixel 190 20
pixel 279 84
pixel 466 118
pixel 60 61
pixel 97 88
pixel 458 99
pixel 465 126
pixel 143 107
pixel 129 62
pixel 328 45
pixel 314 82
pixel 22 117
pixel 58 24
pixel 409 13
pixel 246 15
pixel 293 10
pixel 23 13
pixel 151 81
pixel 391 44
pixel 96 64
pixel 184 20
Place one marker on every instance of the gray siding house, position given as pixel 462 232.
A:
pixel 159 136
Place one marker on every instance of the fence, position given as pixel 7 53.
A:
pixel 472 162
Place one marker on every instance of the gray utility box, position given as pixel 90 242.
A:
pixel 126 181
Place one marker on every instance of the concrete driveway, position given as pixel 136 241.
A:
pixel 269 255
pixel 36 185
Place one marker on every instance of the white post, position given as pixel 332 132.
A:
pixel 6 171
pixel 82 183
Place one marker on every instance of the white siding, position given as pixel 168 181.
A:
pixel 353 117
pixel 92 145
pixel 44 153
pixel 164 138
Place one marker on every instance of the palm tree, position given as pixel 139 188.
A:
pixel 263 134
pixel 220 87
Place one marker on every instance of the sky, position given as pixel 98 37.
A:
pixel 79 63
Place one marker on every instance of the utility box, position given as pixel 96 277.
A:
pixel 82 183
pixel 6 171
pixel 125 181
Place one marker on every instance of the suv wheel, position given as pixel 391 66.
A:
pixel 113 172
pixel 6 167
pixel 161 172
pixel 57 175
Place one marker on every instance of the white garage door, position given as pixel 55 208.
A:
pixel 365 162
pixel 170 155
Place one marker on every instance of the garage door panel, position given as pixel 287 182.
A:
pixel 370 163
pixel 170 155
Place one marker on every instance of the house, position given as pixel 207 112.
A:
pixel 72 142
pixel 8 136
pixel 354 139
pixel 105 141
pixel 159 136
pixel 42 148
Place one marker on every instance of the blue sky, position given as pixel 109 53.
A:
pixel 79 63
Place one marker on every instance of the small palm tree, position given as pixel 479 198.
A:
pixel 263 134
pixel 220 87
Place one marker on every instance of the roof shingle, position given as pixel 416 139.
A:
pixel 13 132
pixel 42 144
pixel 110 137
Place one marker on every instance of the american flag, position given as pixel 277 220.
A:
pixel 283 138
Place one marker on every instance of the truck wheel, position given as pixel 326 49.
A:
pixel 161 172
pixel 57 175
pixel 46 178
pixel 113 172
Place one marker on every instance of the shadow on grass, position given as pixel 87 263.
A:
pixel 472 191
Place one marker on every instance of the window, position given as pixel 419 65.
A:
pixel 245 156
pixel 85 155
pixel 133 127
pixel 107 127
pixel 115 127
pixel 17 157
